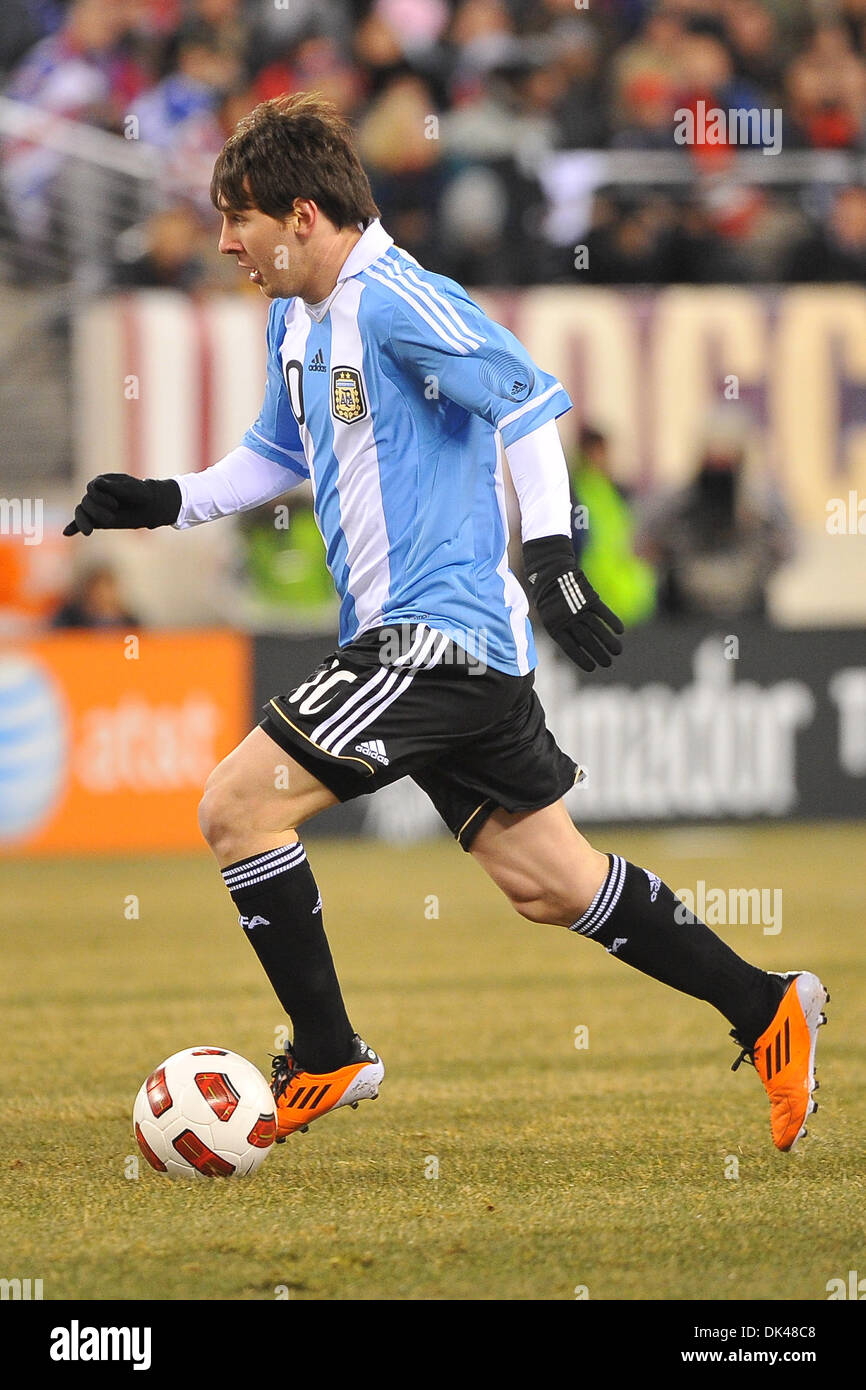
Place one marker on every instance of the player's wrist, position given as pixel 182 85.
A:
pixel 545 558
pixel 163 502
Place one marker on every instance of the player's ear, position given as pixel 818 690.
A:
pixel 303 217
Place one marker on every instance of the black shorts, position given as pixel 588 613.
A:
pixel 406 701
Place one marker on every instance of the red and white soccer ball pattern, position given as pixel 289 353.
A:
pixel 205 1113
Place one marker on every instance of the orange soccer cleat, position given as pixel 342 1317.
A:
pixel 784 1057
pixel 304 1096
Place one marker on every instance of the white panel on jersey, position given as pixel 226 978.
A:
pixel 293 349
pixel 362 516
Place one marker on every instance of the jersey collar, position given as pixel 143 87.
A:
pixel 374 243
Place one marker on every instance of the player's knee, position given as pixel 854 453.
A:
pixel 558 902
pixel 538 901
pixel 223 813
pixel 543 906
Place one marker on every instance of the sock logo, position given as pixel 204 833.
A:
pixel 655 884
pixel 617 942
pixel 249 922
pixel 318 906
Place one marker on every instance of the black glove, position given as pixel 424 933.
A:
pixel 568 605
pixel 115 500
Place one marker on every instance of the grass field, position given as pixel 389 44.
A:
pixel 558 1167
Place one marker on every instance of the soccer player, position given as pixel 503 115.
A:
pixel 392 391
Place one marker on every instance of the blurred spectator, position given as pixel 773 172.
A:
pixel 81 73
pixel 716 542
pixel 275 29
pixel 227 22
pixel 21 25
pixel 582 114
pixel 603 533
pixel 401 152
pixel 629 242
pixel 95 602
pixel 519 88
pixel 201 74
pixel 315 64
pixel 482 37
pixel 827 91
pixel 645 74
pixel 166 253
pixel 284 560
pixel 754 41
pixel 837 251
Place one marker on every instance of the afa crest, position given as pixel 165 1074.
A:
pixel 348 401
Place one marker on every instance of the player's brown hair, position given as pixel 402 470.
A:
pixel 292 147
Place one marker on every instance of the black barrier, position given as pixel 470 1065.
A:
pixel 692 723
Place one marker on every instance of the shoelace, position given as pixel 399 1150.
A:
pixel 747 1054
pixel 284 1069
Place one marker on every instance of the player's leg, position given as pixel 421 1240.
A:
pixel 550 873
pixel 256 798
pixel 252 805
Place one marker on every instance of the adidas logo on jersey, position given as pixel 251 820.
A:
pixel 374 749
pixel 318 363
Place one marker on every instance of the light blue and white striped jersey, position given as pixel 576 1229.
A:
pixel 389 396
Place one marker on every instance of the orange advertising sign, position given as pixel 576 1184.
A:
pixel 106 739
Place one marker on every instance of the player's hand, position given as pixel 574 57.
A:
pixel 116 500
pixel 568 605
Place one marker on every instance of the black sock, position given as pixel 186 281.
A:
pixel 634 916
pixel 281 912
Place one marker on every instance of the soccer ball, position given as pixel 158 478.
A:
pixel 205 1113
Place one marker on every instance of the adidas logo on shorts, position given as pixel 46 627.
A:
pixel 374 749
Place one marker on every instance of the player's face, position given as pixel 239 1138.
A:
pixel 265 249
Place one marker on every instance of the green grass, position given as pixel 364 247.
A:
pixel 558 1167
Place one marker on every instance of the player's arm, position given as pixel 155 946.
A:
pixel 268 462
pixel 568 605
pixel 240 481
pixel 482 367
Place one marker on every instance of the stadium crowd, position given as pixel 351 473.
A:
pixel 462 107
